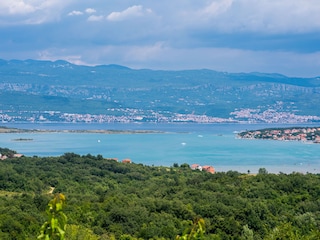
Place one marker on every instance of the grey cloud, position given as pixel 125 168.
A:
pixel 269 17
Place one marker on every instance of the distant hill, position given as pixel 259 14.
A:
pixel 34 90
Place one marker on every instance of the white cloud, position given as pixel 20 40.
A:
pixel 31 11
pixel 217 7
pixel 95 18
pixel 48 55
pixel 134 11
pixel 90 10
pixel 16 7
pixel 75 13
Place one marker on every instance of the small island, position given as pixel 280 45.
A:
pixel 306 134
pixel 22 139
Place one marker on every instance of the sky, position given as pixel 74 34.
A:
pixel 270 36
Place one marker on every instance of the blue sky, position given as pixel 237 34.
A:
pixel 281 36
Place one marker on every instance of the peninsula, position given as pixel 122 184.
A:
pixel 310 134
pixel 102 131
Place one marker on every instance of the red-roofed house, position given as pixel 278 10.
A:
pixel 127 160
pixel 196 166
pixel 209 169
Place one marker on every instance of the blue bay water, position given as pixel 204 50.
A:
pixel 211 144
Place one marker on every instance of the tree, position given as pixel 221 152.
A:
pixel 55 227
pixel 262 171
pixel 196 232
pixel 247 233
pixel 76 232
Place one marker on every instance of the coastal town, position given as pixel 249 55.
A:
pixel 138 115
pixel 305 134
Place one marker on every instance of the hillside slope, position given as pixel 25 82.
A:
pixel 44 91
pixel 132 201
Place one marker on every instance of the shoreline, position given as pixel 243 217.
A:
pixel 286 169
pixel 109 131
pixel 217 157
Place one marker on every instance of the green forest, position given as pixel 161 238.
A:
pixel 105 199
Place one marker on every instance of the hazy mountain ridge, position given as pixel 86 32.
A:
pixel 151 95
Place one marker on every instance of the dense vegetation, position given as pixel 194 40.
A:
pixel 7 152
pixel 110 200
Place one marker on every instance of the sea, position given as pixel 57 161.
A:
pixel 216 145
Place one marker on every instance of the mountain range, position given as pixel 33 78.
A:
pixel 33 90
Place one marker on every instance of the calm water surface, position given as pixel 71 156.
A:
pixel 205 144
